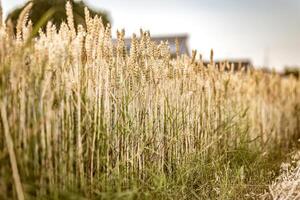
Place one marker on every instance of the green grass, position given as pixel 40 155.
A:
pixel 230 175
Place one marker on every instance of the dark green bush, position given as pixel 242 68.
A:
pixel 40 7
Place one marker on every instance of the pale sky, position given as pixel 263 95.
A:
pixel 266 31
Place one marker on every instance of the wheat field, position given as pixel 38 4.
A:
pixel 83 118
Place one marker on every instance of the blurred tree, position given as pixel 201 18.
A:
pixel 40 7
pixel 292 71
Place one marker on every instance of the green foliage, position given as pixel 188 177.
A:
pixel 292 71
pixel 40 7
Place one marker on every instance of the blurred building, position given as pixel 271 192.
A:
pixel 181 38
pixel 236 64
pixel 182 41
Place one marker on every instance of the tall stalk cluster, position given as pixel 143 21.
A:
pixel 80 112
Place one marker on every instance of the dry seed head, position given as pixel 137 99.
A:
pixel 143 43
pixel 121 47
pixel 141 32
pixel 148 43
pixel 194 53
pixel 211 56
pixel 63 31
pixel 22 20
pixel 164 50
pixel 232 67
pixel 119 44
pixel 133 48
pixel 87 18
pixel 70 18
pixel 10 28
pixel 227 65
pixel 107 35
pixel 107 42
pixel 49 29
pixel 177 47
pixel 221 66
pixel 26 30
pixel 201 58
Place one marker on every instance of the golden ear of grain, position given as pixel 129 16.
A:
pixel 133 47
pixel 10 28
pixel 86 14
pixel 22 20
pixel 177 47
pixel 70 17
pixel 211 56
pixel 200 58
pixel 194 53
pixel 120 44
pixel 88 21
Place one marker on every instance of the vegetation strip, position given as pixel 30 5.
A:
pixel 90 120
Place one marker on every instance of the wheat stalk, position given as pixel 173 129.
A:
pixel 22 21
pixel 12 155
